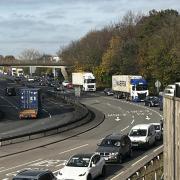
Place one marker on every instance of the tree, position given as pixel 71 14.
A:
pixel 29 55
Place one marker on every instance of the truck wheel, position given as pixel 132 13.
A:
pixel 89 177
pixel 103 173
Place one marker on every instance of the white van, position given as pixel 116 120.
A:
pixel 142 135
pixel 169 90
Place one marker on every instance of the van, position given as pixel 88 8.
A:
pixel 170 90
pixel 142 135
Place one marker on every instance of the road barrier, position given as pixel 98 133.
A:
pixel 81 116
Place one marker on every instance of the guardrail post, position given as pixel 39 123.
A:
pixel 155 176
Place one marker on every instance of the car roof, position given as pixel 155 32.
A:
pixel 114 136
pixel 142 126
pixel 87 155
pixel 31 173
pixel 156 123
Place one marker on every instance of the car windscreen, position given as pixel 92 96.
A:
pixel 90 80
pixel 138 132
pixel 157 127
pixel 141 87
pixel 78 162
pixel 110 142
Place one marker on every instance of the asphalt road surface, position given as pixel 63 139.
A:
pixel 120 116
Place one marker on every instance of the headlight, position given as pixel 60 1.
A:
pixel 82 174
pixel 114 153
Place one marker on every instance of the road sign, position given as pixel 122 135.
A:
pixel 158 84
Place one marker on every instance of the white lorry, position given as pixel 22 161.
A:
pixel 17 72
pixel 130 87
pixel 85 80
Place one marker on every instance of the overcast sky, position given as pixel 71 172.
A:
pixel 48 25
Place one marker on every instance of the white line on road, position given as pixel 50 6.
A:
pixel 19 165
pixel 124 128
pixel 132 121
pixel 139 160
pixel 47 112
pixel 74 148
pixel 117 175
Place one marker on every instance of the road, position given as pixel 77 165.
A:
pixel 120 116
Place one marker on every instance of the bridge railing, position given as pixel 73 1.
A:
pixel 37 62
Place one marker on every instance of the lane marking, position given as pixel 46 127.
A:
pixel 125 128
pixel 117 175
pixel 20 165
pixel 132 121
pixel 47 112
pixel 9 102
pixel 139 160
pixel 74 149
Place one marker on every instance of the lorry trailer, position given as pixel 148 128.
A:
pixel 130 87
pixel 30 103
pixel 85 80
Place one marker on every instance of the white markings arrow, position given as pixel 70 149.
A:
pixel 148 118
pixel 117 119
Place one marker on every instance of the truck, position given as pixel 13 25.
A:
pixel 130 87
pixel 17 72
pixel 30 103
pixel 86 80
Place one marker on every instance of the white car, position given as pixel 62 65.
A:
pixel 142 135
pixel 83 167
pixel 158 129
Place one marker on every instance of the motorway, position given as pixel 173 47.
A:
pixel 120 116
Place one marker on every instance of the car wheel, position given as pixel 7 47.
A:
pixel 120 159
pixel 103 173
pixel 149 104
pixel 89 177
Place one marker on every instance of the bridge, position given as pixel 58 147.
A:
pixel 37 63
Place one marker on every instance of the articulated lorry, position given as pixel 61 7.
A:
pixel 130 87
pixel 30 103
pixel 85 80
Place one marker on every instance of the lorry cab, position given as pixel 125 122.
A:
pixel 89 82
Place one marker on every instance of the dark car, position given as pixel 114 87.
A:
pixel 115 148
pixel 151 101
pixel 70 86
pixel 10 91
pixel 35 175
pixel 108 92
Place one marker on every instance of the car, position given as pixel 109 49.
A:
pixel 159 130
pixel 151 101
pixel 83 167
pixel 115 148
pixel 31 174
pixel 65 83
pixel 59 88
pixel 70 86
pixel 108 92
pixel 10 91
pixel 142 135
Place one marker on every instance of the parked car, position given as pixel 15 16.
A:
pixel 115 147
pixel 83 167
pixel 108 92
pixel 159 130
pixel 151 101
pixel 143 135
pixel 10 91
pixel 65 83
pixel 35 175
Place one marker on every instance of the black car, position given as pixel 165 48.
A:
pixel 151 101
pixel 35 175
pixel 10 91
pixel 108 92
pixel 115 147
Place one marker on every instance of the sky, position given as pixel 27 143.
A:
pixel 49 25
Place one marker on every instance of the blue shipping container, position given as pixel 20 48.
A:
pixel 30 98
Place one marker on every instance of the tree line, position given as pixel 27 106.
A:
pixel 147 45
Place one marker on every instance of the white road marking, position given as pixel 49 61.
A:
pixel 139 160
pixel 125 128
pixel 132 121
pixel 117 119
pixel 20 165
pixel 108 104
pixel 74 148
pixel 148 118
pixel 117 175
pixel 47 112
